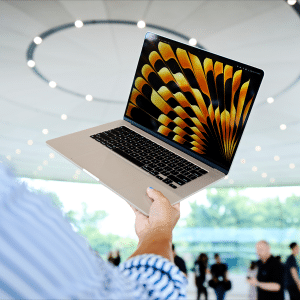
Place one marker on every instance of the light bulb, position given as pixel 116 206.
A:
pixel 37 40
pixel 78 24
pixel 141 24
pixel 89 97
pixel 193 42
pixel 31 63
pixel 52 84
pixel 283 127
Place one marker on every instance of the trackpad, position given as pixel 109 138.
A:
pixel 110 168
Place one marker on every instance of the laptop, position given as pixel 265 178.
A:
pixel 182 125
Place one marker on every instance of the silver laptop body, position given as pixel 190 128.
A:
pixel 176 103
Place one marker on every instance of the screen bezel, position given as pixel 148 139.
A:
pixel 211 162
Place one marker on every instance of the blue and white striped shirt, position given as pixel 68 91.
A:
pixel 41 257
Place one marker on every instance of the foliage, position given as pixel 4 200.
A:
pixel 227 209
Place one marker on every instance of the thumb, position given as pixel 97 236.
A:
pixel 156 195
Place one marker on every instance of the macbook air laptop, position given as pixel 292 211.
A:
pixel 182 125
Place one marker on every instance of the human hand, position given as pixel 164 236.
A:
pixel 162 216
pixel 253 281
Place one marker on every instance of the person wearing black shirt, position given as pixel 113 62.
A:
pixel 219 277
pixel 270 276
pixel 179 262
pixel 200 274
pixel 292 273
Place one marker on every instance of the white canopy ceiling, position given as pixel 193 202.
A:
pixel 101 60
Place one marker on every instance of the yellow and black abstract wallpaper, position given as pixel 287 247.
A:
pixel 192 97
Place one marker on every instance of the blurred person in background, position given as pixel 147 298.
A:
pixel 270 275
pixel 42 257
pixel 179 262
pixel 219 281
pixel 115 259
pixel 201 268
pixel 252 273
pixel 292 273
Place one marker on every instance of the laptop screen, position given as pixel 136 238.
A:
pixel 198 101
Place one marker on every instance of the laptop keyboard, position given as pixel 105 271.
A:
pixel 165 165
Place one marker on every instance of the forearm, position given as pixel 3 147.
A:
pixel 295 276
pixel 269 286
pixel 156 242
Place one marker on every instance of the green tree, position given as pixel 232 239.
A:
pixel 224 210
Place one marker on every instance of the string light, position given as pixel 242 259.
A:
pixel 31 63
pixel 51 155
pixel 88 97
pixel 264 175
pixel 254 169
pixel 141 24
pixel 243 160
pixel 193 42
pixel 270 100
pixel 257 148
pixel 37 40
pixel 18 151
pixel 292 2
pixel 45 131
pixel 78 24
pixel 52 84
pixel 64 117
pixel 45 162
pixel 276 158
pixel 283 127
pixel 30 142
pixel 292 166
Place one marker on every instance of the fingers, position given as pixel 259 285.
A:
pixel 177 206
pixel 156 195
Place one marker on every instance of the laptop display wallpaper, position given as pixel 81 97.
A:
pixel 194 98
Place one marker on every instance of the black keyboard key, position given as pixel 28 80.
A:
pixel 172 165
pixel 173 186
pixel 192 177
pixel 176 180
pixel 202 171
pixel 146 168
pixel 152 165
pixel 158 169
pixel 167 169
pixel 154 173
pixel 165 173
pixel 196 174
pixel 146 162
pixel 183 178
pixel 159 177
pixel 167 181
pixel 127 156
pixel 161 165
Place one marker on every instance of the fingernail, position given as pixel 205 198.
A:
pixel 150 187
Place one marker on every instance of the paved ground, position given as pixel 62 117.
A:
pixel 239 291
